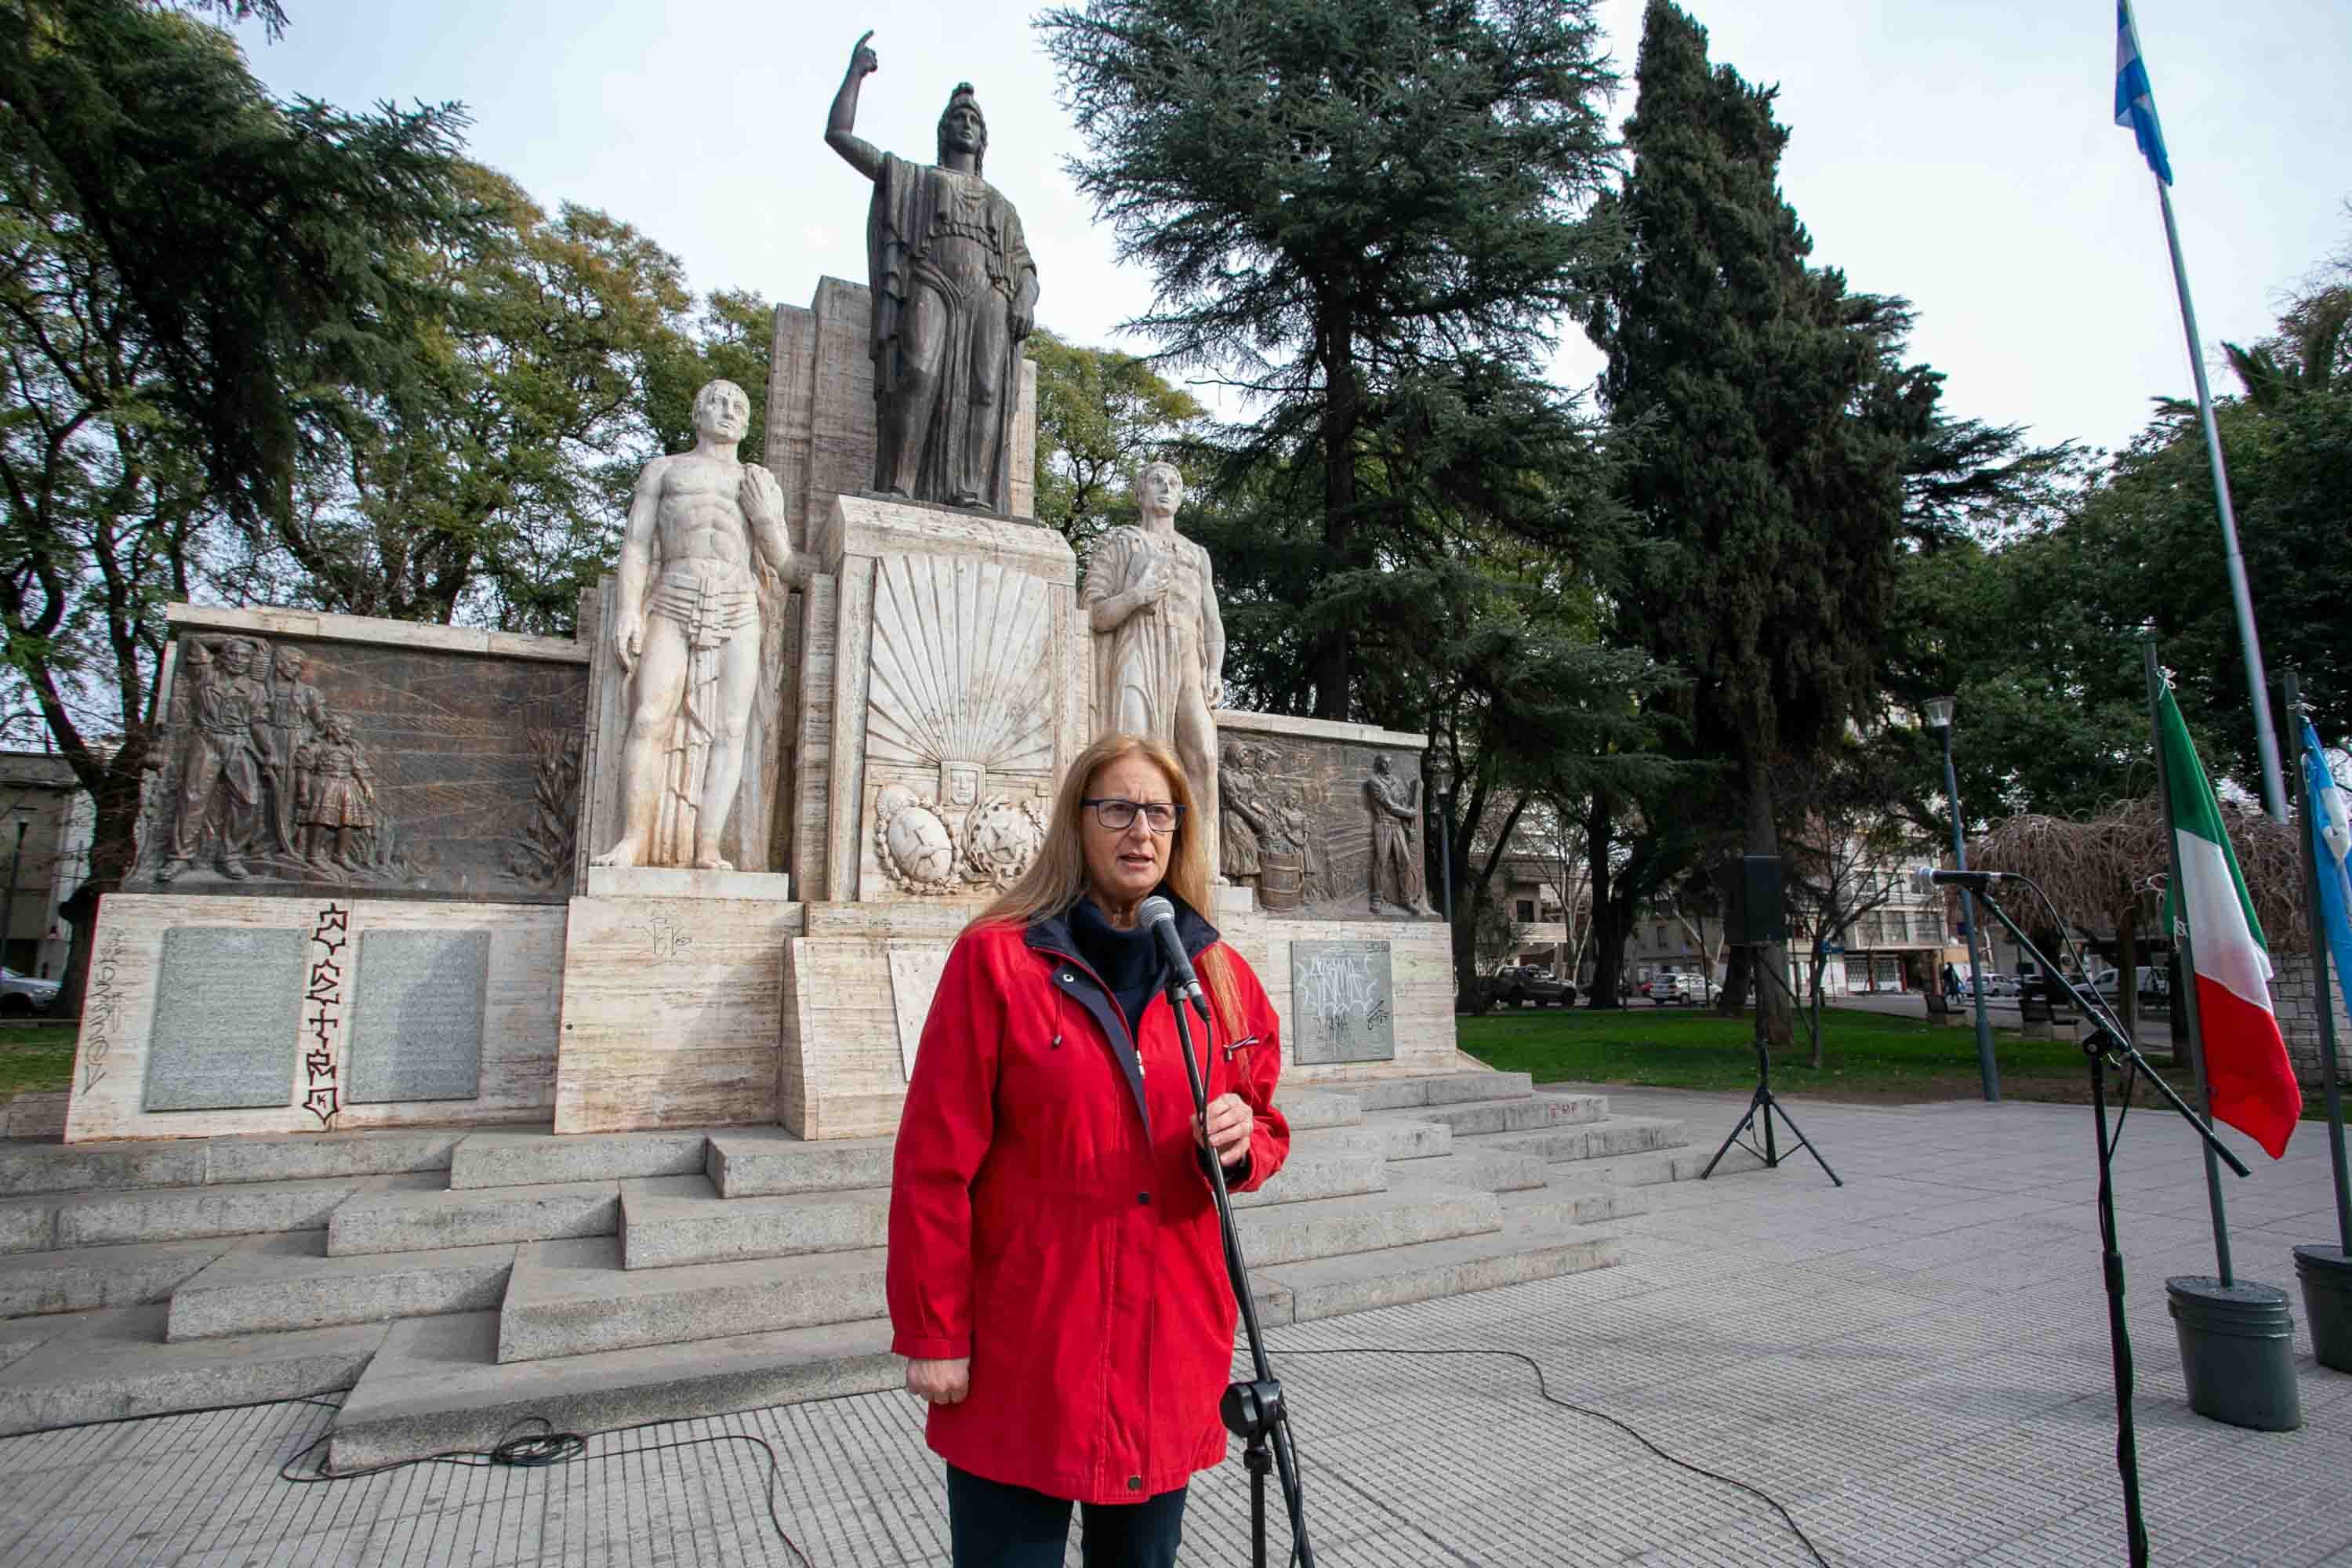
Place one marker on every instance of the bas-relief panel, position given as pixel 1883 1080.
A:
pixel 960 733
pixel 297 766
pixel 1298 822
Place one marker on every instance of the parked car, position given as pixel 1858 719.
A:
pixel 1688 990
pixel 21 995
pixel 1517 984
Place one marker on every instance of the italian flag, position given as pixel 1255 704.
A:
pixel 2247 1075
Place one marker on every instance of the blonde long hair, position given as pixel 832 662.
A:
pixel 1057 879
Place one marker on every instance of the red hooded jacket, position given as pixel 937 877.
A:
pixel 1050 1218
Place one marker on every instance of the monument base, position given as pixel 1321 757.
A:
pixel 686 882
pixel 1358 1000
pixel 244 1016
pixel 671 1010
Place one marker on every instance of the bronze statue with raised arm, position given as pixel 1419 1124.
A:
pixel 954 294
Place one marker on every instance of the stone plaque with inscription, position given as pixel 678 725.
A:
pixel 228 1005
pixel 1343 1002
pixel 417 1015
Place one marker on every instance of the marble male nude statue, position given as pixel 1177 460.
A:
pixel 704 516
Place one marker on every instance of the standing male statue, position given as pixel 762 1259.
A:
pixel 954 293
pixel 221 762
pixel 691 635
pixel 1396 868
pixel 297 715
pixel 1159 645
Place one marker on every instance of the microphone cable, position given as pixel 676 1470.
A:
pixel 548 1446
pixel 1543 1390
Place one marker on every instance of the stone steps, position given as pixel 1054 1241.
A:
pixel 668 1229
pixel 52 1221
pixel 1572 1196
pixel 1307 1108
pixel 113 1363
pixel 437 1385
pixel 1602 1140
pixel 78 1279
pixel 1486 1170
pixel 1321 1165
pixel 1410 1212
pixel 572 1297
pixel 1440 1088
pixel 1470 1118
pixel 537 1157
pixel 215 1161
pixel 1356 1283
pixel 751 1162
pixel 281 1284
pixel 478 1216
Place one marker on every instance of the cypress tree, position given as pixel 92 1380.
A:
pixel 1766 421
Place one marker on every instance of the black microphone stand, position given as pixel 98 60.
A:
pixel 1253 1411
pixel 2109 1041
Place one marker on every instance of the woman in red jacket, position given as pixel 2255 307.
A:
pixel 1056 1279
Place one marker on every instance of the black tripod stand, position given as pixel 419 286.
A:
pixel 2109 1042
pixel 1253 1411
pixel 1762 1104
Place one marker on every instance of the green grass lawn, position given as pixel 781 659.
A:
pixel 1869 1056
pixel 35 1057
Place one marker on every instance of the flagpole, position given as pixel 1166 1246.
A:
pixel 2241 594
pixel 2321 991
pixel 2186 956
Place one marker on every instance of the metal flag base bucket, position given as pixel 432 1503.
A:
pixel 2237 1351
pixel 2326 1274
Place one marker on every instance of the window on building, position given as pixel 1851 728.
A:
pixel 1662 936
pixel 1527 911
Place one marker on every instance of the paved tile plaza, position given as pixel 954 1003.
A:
pixel 1915 1365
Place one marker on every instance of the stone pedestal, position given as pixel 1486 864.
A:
pixel 944 682
pixel 672 1009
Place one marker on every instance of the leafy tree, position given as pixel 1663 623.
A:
pixel 1102 416
pixel 1355 210
pixel 487 480
pixel 189 272
pixel 1771 425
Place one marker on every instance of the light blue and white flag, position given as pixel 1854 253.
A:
pixel 2135 99
pixel 2331 841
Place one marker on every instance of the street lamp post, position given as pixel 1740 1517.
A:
pixel 1939 719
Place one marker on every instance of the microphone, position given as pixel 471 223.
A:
pixel 1158 914
pixel 1927 877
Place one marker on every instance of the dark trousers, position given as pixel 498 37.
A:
pixel 997 1526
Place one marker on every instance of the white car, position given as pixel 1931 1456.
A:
pixel 21 995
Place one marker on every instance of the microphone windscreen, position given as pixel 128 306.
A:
pixel 1923 880
pixel 1154 910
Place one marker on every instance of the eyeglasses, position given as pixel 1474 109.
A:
pixel 1119 815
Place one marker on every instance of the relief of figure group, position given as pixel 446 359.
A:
pixel 268 780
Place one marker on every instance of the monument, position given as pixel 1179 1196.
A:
pixel 687 631
pixel 410 876
pixel 954 292
pixel 1159 645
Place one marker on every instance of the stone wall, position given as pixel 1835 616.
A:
pixel 2293 995
pixel 1315 774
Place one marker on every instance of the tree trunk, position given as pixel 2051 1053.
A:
pixel 113 848
pixel 1608 930
pixel 1762 837
pixel 1328 660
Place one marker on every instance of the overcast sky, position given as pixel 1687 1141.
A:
pixel 1960 154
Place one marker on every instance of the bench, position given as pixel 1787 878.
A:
pixel 1942 1006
